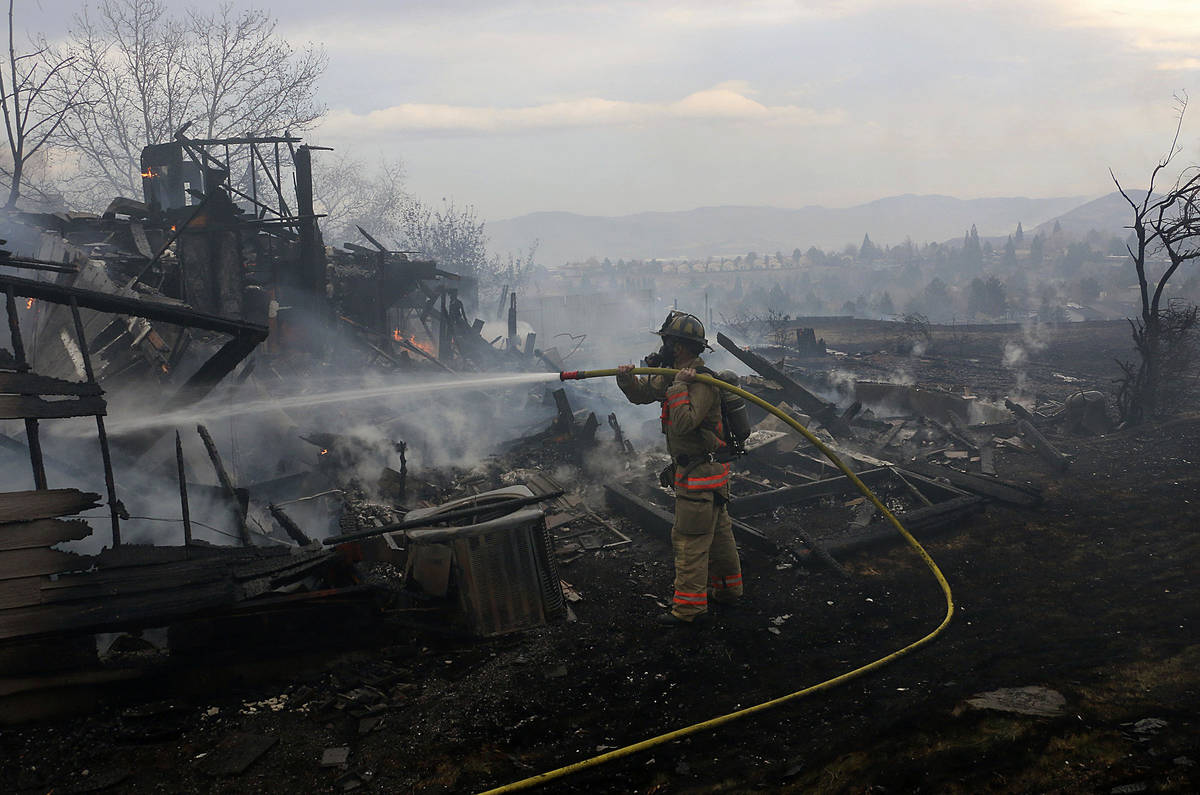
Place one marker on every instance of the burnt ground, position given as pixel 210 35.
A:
pixel 1093 594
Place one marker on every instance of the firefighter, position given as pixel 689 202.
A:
pixel 706 556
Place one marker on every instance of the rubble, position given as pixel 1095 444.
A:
pixel 363 528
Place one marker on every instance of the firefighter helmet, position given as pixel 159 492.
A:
pixel 683 326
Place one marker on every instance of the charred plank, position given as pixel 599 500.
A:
pixel 17 407
pixel 752 504
pixel 1051 454
pixel 41 533
pixel 1001 490
pixel 821 410
pixel 16 506
pixel 32 562
pixel 34 384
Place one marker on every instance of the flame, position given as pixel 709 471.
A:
pixel 148 173
pixel 413 341
pixel 324 451
pixel 29 304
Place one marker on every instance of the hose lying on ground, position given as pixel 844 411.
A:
pixel 721 720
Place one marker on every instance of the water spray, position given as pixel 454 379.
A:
pixel 542 778
pixel 204 413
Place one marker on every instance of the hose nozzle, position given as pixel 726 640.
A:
pixel 568 375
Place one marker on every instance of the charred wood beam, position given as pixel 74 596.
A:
pixel 42 533
pixel 751 504
pixel 445 331
pixel 267 139
pixel 915 491
pixel 371 240
pixel 123 305
pixel 32 264
pixel 15 407
pixel 936 518
pixel 747 533
pixel 226 483
pixel 987 459
pixel 793 392
pixel 1019 410
pixel 1000 490
pixel 954 435
pixel 312 254
pixel 408 346
pixel 219 365
pixel 939 516
pixel 776 473
pixel 290 527
pixel 183 495
pixel 21 506
pixel 287 213
pixel 34 384
pixel 652 517
pixel 817 550
pixel 114 508
pixel 362 339
pixel 565 421
pixel 1042 445
pixel 889 436
pixel 31 425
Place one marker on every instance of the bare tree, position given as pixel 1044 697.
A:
pixel 513 269
pixel 350 195
pixel 248 79
pixel 1168 223
pixel 452 235
pixel 32 116
pixel 150 73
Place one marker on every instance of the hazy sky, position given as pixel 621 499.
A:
pixel 618 107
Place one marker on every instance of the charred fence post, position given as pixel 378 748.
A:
pixel 105 455
pixel 183 495
pixel 512 320
pixel 226 484
pixel 312 254
pixel 31 425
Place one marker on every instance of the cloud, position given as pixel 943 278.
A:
pixel 723 15
pixel 726 102
pixel 1150 25
pixel 1179 65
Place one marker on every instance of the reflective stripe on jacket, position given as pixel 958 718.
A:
pixel 691 419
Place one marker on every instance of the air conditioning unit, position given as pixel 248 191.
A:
pixel 501 571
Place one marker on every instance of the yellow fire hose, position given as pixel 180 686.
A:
pixel 712 723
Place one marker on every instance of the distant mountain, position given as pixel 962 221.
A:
pixel 730 231
pixel 1108 215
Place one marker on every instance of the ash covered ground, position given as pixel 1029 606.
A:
pixel 1092 595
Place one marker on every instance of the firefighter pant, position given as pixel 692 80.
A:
pixel 706 556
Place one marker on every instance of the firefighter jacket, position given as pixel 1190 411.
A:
pixel 691 421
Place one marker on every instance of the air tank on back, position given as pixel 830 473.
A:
pixel 734 409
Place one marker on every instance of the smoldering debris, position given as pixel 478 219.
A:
pixel 306 446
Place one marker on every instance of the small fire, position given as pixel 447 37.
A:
pixel 324 451
pixel 413 341
pixel 148 174
pixel 29 304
